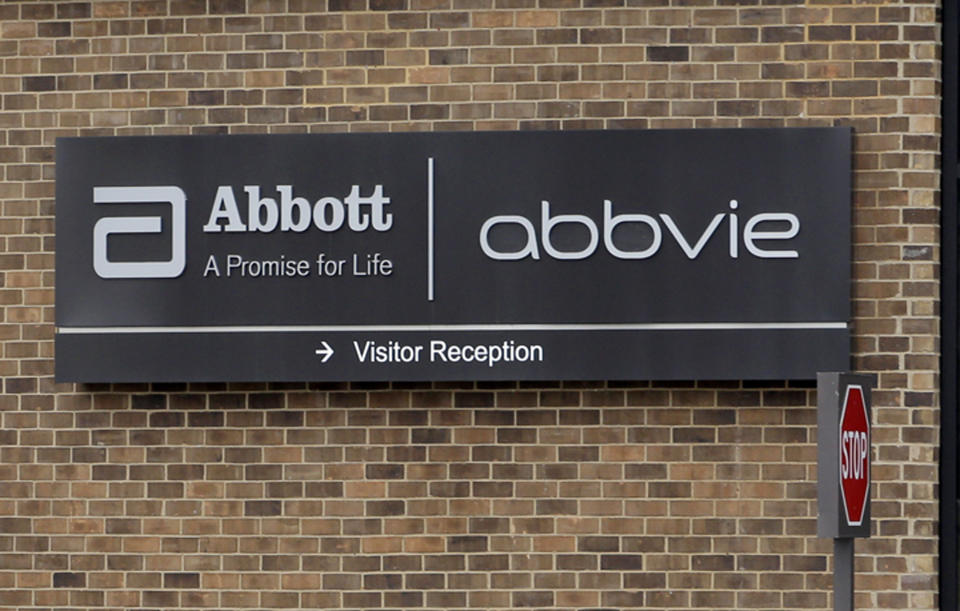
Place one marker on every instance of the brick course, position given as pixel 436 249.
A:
pixel 468 495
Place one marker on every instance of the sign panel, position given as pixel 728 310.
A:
pixel 674 254
pixel 843 454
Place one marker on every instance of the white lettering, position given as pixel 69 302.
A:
pixel 224 208
pixel 529 250
pixel 336 214
pixel 750 234
pixel 853 454
pixel 691 252
pixel 211 267
pixel 506 352
pixel 609 224
pixel 360 220
pixel 864 450
pixel 392 352
pixel 734 242
pixel 262 268
pixel 294 213
pixel 288 204
pixel 547 224
pixel 256 207
pixel 844 456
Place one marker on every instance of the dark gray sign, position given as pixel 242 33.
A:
pixel 675 254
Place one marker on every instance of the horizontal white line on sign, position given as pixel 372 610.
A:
pixel 653 326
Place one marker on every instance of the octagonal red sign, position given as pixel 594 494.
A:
pixel 854 455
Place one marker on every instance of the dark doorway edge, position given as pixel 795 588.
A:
pixel 949 230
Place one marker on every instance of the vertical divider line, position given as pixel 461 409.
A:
pixel 430 229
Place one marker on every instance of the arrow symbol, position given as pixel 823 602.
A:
pixel 326 352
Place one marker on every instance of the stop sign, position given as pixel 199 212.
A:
pixel 854 455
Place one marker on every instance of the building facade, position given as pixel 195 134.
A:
pixel 563 495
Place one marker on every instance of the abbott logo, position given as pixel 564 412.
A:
pixel 140 224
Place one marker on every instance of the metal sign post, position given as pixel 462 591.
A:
pixel 843 574
pixel 843 472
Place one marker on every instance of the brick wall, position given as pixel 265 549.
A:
pixel 558 495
